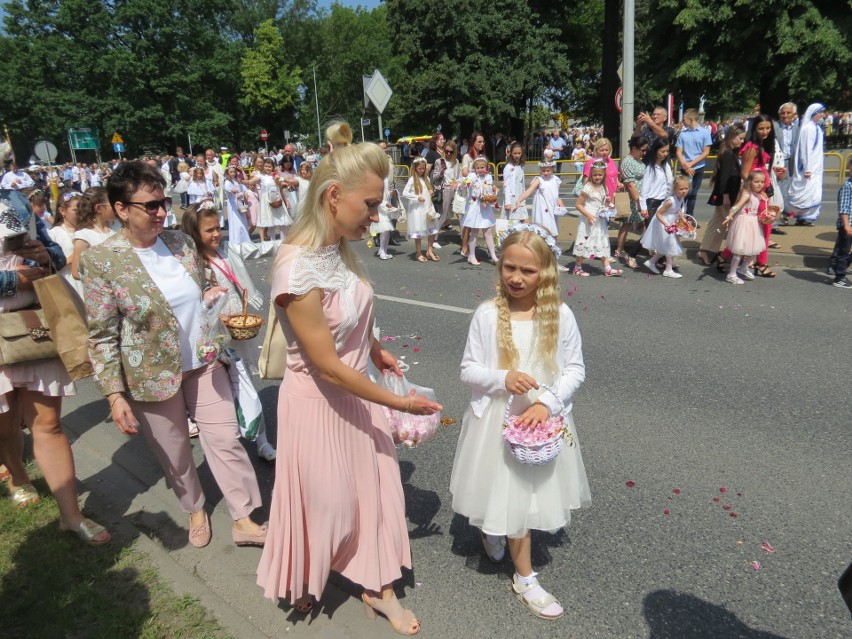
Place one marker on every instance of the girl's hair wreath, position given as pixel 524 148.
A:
pixel 532 228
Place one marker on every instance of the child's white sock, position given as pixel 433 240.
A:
pixel 527 581
pixel 489 242
pixel 384 239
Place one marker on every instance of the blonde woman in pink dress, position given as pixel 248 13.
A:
pixel 338 503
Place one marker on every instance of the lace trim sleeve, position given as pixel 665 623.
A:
pixel 324 269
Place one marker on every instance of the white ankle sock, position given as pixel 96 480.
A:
pixel 527 581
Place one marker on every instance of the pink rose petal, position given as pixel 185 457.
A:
pixel 726 507
pixel 667 511
pixel 630 484
pixel 676 491
pixel 755 565
pixel 717 499
pixel 723 490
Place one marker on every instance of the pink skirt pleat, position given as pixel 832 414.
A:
pixel 338 503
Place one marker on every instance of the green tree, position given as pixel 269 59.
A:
pixel 736 52
pixel 269 86
pixel 347 45
pixel 472 63
pixel 150 69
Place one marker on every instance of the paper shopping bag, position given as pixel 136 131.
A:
pixel 66 316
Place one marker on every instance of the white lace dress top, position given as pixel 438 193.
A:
pixel 323 268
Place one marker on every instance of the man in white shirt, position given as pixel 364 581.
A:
pixel 15 179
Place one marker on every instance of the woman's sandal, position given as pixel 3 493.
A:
pixel 422 258
pixel 304 604
pixel 24 496
pixel 433 257
pixel 704 258
pixel 538 600
pixel 722 264
pixel 774 245
pixel 407 624
pixel 88 531
pixel 763 270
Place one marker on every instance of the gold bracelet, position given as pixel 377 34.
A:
pixel 408 408
pixel 112 403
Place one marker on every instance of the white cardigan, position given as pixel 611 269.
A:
pixel 479 364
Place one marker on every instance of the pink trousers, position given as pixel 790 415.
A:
pixel 205 395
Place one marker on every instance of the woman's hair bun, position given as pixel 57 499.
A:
pixel 339 133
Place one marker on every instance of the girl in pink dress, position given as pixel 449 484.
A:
pixel 337 504
pixel 745 237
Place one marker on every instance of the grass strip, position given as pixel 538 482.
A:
pixel 52 585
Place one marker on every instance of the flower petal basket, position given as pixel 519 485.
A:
pixel 539 446
pixel 245 326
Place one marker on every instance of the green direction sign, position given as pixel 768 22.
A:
pixel 84 137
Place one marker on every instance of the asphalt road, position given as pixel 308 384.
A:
pixel 722 393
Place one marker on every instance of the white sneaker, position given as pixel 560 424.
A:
pixel 267 452
pixel 672 274
pixel 562 269
pixel 385 256
pixel 651 265
pixel 495 550
pixel 746 273
pixel 435 245
pixel 733 279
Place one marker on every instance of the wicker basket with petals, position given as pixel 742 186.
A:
pixel 245 326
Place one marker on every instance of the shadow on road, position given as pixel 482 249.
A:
pixel 676 615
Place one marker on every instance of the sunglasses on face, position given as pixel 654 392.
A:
pixel 152 207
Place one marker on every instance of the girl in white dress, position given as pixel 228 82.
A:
pixel 199 188
pixel 384 227
pixel 479 213
pixel 224 267
pixel 235 197
pixel 422 218
pixel 63 229
pixel 94 217
pixel 660 237
pixel 745 237
pixel 289 183
pixel 592 227
pixel 545 191
pixel 518 342
pixel 272 220
pixel 513 184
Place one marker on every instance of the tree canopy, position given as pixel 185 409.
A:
pixel 218 71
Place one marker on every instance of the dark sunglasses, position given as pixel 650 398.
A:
pixel 153 207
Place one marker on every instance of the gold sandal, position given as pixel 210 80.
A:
pixel 87 531
pixel 24 496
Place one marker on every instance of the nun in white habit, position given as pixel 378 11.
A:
pixel 806 186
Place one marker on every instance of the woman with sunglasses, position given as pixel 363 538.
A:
pixel 144 290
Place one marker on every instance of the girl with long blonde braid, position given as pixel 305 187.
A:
pixel 536 358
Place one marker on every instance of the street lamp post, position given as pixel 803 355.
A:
pixel 316 98
pixel 627 87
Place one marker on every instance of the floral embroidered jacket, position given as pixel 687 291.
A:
pixel 134 343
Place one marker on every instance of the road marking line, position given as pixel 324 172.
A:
pixel 443 307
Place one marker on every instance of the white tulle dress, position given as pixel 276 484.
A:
pixel 499 494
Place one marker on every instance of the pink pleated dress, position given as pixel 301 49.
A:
pixel 337 503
